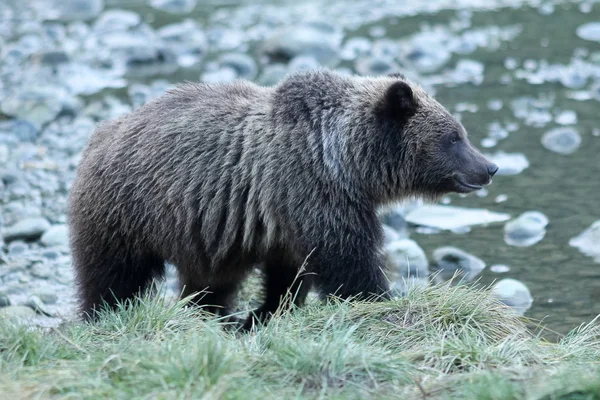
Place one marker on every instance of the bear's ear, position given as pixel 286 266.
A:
pixel 399 101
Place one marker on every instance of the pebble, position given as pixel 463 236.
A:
pixel 40 270
pixel 27 229
pixel 243 65
pixel 451 217
pixel 37 305
pixel 73 10
pixel 376 66
pixel 4 300
pixel 499 268
pixel 318 41
pixel 38 105
pixel 514 294
pixel 509 163
pixel 589 31
pixel 451 263
pixel 389 235
pixel 588 242
pixel 47 297
pixel 526 230
pixel 406 259
pixel 15 131
pixel 174 6
pixel 17 312
pixel 57 235
pixel 567 117
pixel 562 140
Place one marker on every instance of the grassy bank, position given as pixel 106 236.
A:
pixel 440 342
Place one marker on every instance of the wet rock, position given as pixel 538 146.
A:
pixel 390 235
pixel 302 63
pixel 355 47
pixel 588 242
pixel 57 235
pixel 526 230
pixel 376 66
pixel 450 217
pixel 243 65
pixel 17 248
pixel 394 218
pixel 37 305
pixel 27 229
pixel 405 259
pixel 40 270
pixel 451 263
pixel 509 163
pixel 17 312
pixel 51 58
pixel 428 54
pixel 567 117
pixel 562 140
pixel 272 74
pixel 499 268
pixel 47 297
pixel 174 6
pixel 38 105
pixel 186 40
pixel 4 300
pixel 468 71
pixel 589 31
pixel 73 10
pixel 116 20
pixel 223 75
pixel 514 294
pixel 320 41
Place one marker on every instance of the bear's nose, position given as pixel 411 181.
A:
pixel 492 169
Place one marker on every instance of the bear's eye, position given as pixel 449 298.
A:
pixel 454 138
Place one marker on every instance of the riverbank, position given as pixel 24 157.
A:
pixel 437 342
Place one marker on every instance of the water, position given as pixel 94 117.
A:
pixel 481 58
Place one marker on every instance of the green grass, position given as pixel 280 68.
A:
pixel 436 343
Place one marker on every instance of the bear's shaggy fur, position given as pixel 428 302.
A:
pixel 219 178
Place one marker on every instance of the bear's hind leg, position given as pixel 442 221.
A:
pixel 215 299
pixel 108 278
pixel 283 286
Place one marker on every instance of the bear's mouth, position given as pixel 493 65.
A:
pixel 464 187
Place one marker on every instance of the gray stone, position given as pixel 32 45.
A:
pixel 318 41
pixel 17 248
pixel 452 218
pixel 390 235
pixel 589 31
pixel 73 10
pixel 509 163
pixel 588 242
pixel 47 297
pixel 451 263
pixel 116 21
pixel 223 75
pixel 37 305
pixel 272 74
pixel 514 294
pixel 40 270
pixel 57 235
pixel 405 260
pixel 16 130
pixel 174 6
pixel 27 229
pixel 375 66
pixel 562 140
pixel 243 64
pixel 39 104
pixel 526 230
pixel 4 300
pixel 17 312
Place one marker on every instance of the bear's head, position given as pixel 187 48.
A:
pixel 427 151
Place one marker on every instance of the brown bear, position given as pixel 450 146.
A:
pixel 217 179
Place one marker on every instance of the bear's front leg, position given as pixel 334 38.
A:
pixel 353 269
